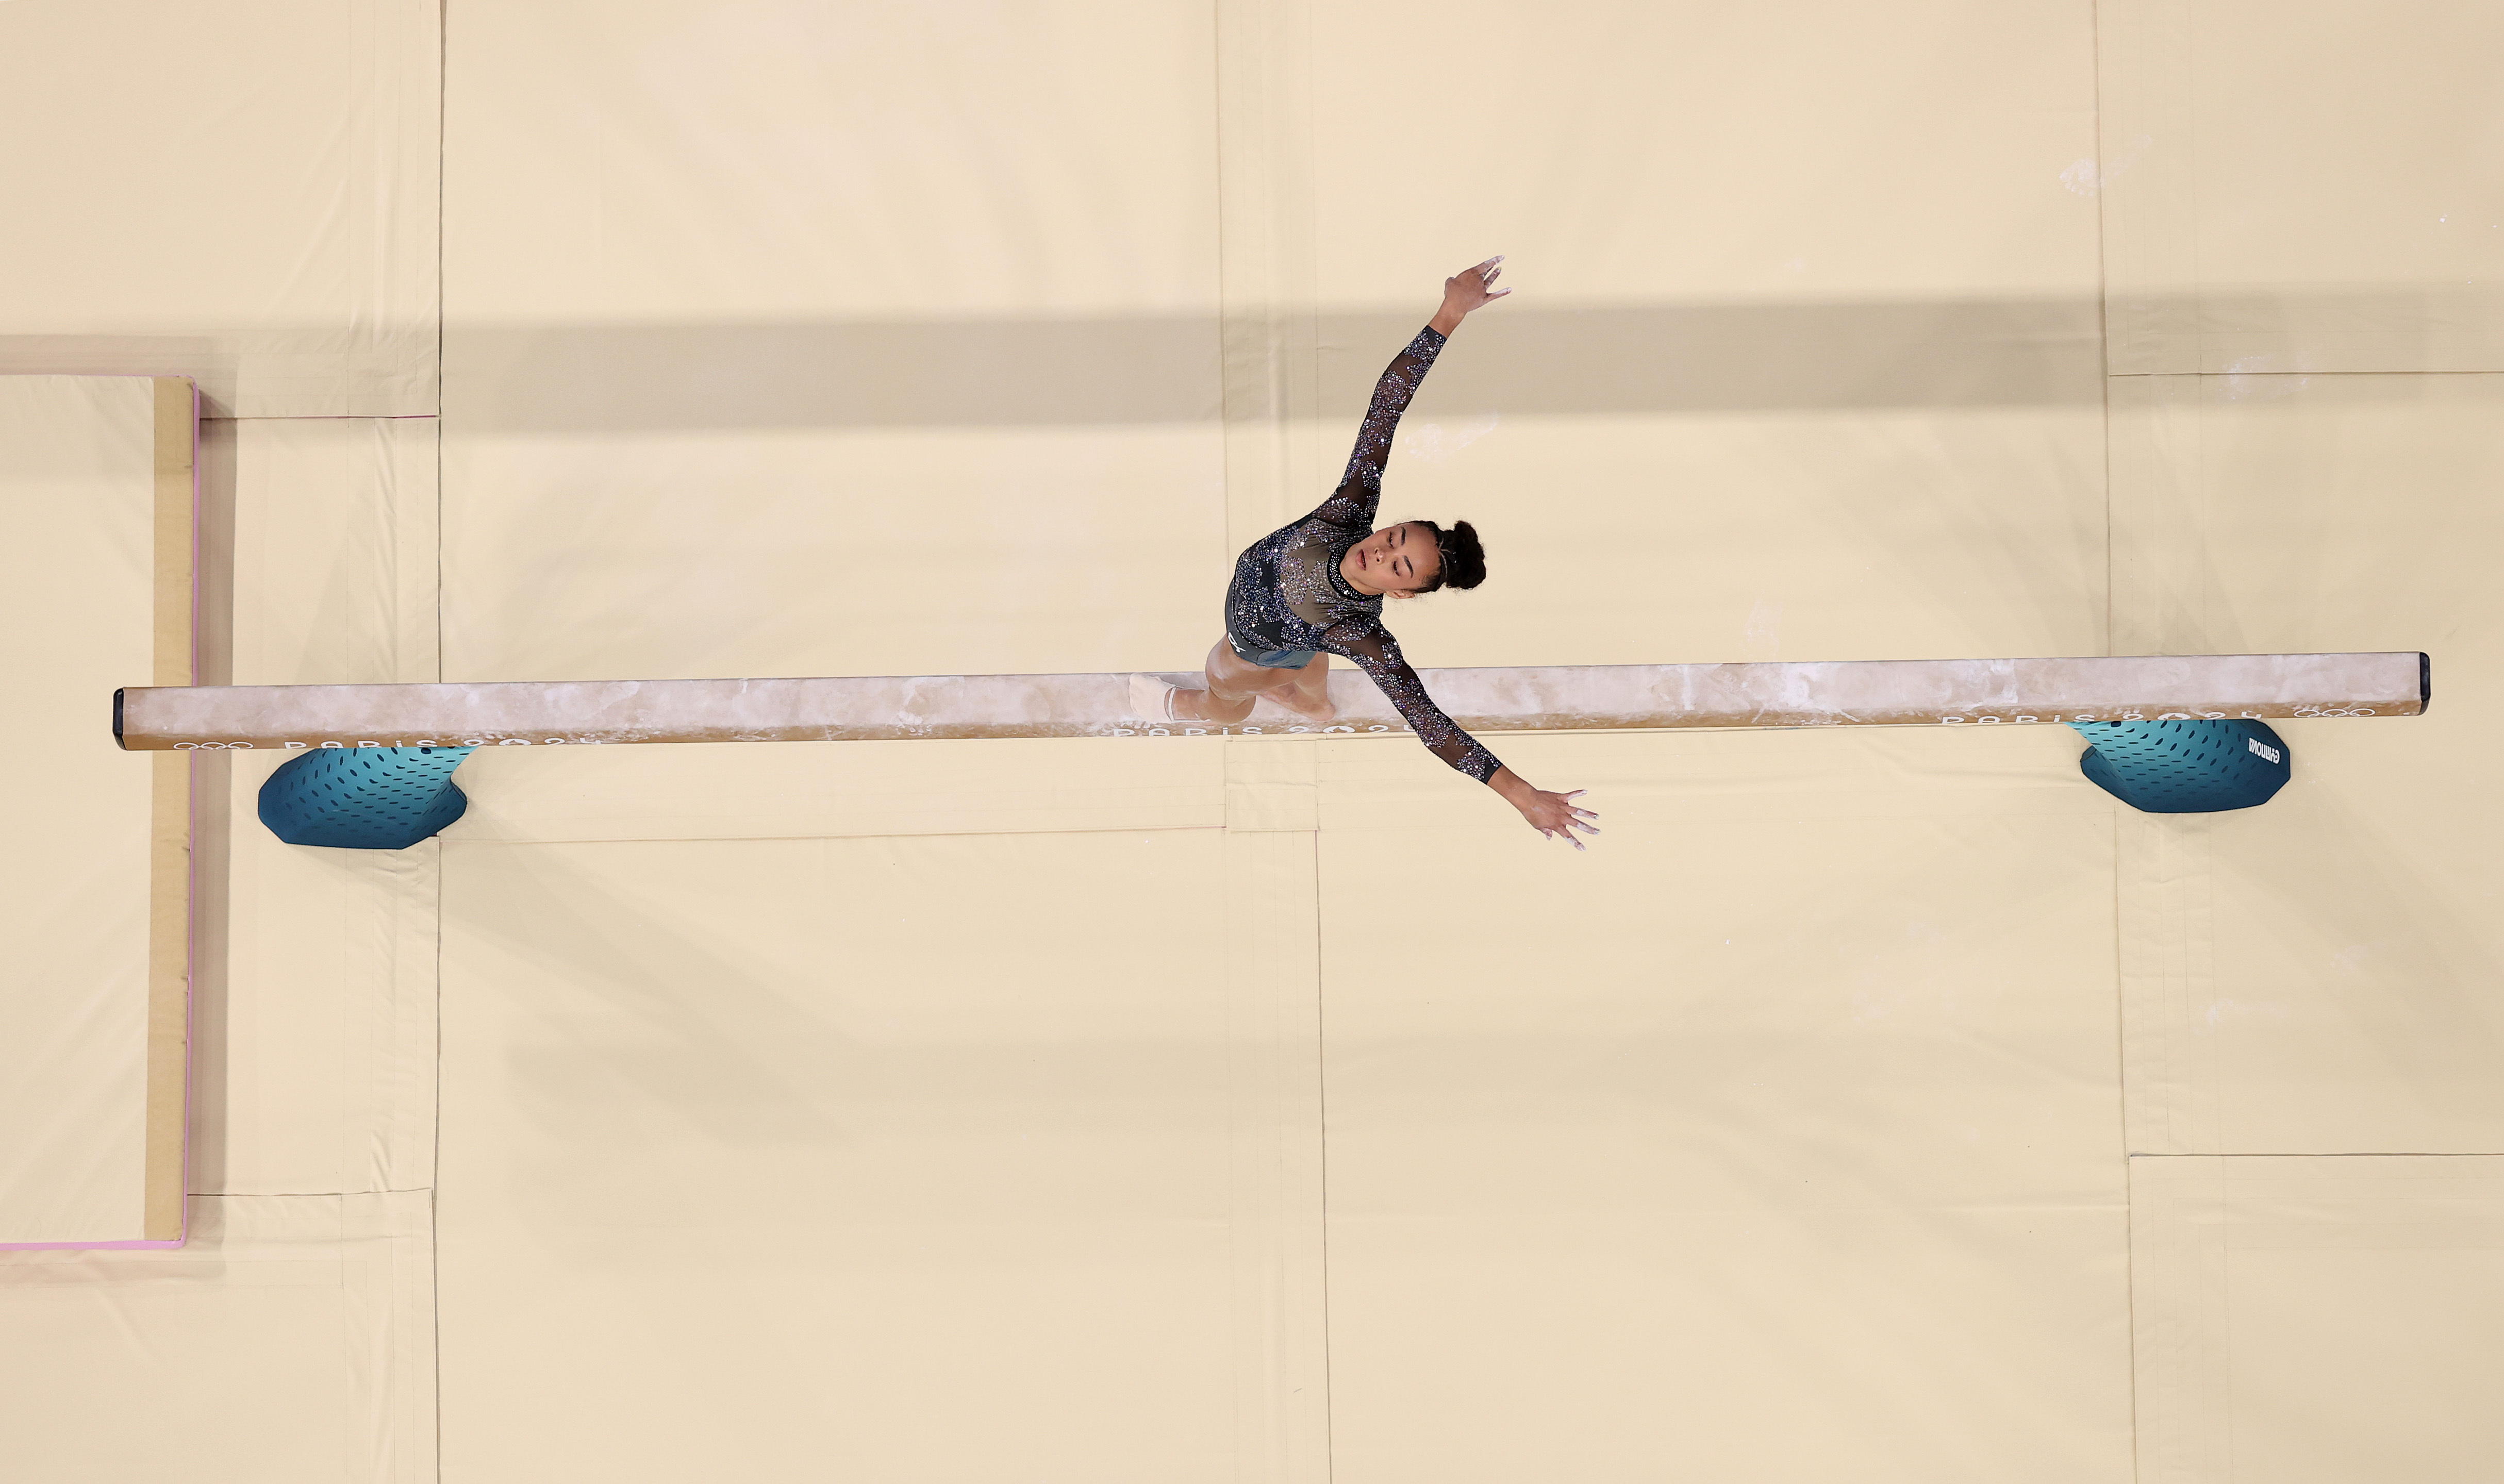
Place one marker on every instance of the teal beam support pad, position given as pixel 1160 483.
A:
pixel 2184 767
pixel 364 798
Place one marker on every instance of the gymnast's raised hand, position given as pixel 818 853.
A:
pixel 1315 587
pixel 1472 287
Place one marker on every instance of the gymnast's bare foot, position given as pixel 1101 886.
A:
pixel 1151 698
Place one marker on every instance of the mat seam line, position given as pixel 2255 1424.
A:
pixel 2120 980
pixel 435 1198
pixel 1321 1099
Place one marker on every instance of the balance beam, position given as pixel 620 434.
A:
pixel 1566 698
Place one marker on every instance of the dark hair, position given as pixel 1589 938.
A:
pixel 1464 559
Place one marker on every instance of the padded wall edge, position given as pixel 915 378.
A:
pixel 170 811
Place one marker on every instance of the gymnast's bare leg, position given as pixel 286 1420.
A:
pixel 1235 682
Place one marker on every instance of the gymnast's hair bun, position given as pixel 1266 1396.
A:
pixel 1464 559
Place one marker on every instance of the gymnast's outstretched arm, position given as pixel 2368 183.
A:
pixel 1377 654
pixel 1360 488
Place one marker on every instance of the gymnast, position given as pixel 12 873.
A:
pixel 1314 588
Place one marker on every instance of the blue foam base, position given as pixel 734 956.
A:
pixel 364 798
pixel 391 798
pixel 2185 767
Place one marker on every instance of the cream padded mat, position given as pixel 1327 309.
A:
pixel 1245 1112
pixel 78 485
pixel 248 197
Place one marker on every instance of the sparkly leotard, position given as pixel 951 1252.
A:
pixel 1288 592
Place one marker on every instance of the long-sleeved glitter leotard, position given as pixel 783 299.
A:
pixel 1288 592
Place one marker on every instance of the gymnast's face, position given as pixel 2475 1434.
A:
pixel 1395 560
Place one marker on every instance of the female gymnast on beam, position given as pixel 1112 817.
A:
pixel 1314 588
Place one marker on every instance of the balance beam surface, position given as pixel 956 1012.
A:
pixel 1538 699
